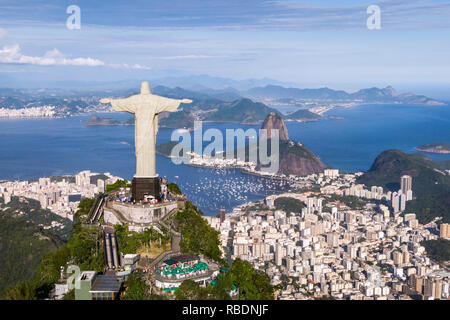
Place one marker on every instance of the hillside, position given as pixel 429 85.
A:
pixel 298 160
pixel 242 111
pixel 98 121
pixel 22 246
pixel 294 157
pixel 429 178
pixel 303 115
pixel 29 210
pixel 369 95
pixel 179 119
pixel 431 184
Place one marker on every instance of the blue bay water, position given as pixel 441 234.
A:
pixel 33 148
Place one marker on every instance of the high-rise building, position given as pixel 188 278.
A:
pixel 445 230
pixel 278 254
pixel 333 239
pixel 432 287
pixel 397 257
pixel 402 202
pixel 101 185
pixel 6 198
pixel 222 215
pixel 405 184
pixel 396 202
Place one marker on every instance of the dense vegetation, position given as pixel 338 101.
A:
pixel 438 250
pixel 197 235
pixel 136 289
pixel 352 202
pixel 117 185
pixel 431 185
pixel 22 246
pixel 190 290
pixel 390 165
pixel 252 284
pixel 83 249
pixel 131 241
pixel 428 207
pixel 288 204
pixel 173 188
pixel 25 209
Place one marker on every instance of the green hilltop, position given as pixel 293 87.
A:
pixel 431 182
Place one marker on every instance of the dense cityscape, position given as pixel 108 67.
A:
pixel 312 244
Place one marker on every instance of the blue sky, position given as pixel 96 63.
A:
pixel 309 43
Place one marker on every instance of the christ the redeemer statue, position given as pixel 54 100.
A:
pixel 145 107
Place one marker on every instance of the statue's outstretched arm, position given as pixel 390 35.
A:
pixel 170 105
pixel 121 105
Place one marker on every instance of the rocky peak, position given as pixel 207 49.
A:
pixel 274 121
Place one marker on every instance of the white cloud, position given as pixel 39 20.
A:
pixel 12 54
pixel 135 66
pixel 3 32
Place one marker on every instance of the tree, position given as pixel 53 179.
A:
pixel 288 204
pixel 136 289
pixel 197 235
pixel 85 206
pixel 70 295
pixel 173 188
pixel 190 290
pixel 252 284
pixel 21 291
pixel 116 185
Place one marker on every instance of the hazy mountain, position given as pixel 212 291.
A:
pixel 303 115
pixel 370 95
pixel 242 111
pixel 279 92
pixel 194 82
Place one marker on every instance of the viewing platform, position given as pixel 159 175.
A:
pixel 139 216
pixel 170 273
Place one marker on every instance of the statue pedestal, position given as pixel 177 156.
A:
pixel 145 186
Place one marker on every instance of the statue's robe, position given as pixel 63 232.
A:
pixel 145 108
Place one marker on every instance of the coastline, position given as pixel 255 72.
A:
pixel 432 151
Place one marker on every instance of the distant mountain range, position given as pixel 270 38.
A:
pixel 370 95
pixel 225 104
pixel 229 106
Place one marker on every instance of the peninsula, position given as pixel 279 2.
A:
pixel 438 147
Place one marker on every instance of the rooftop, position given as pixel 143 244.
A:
pixel 104 283
pixel 181 258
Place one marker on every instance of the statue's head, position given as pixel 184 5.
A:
pixel 145 87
